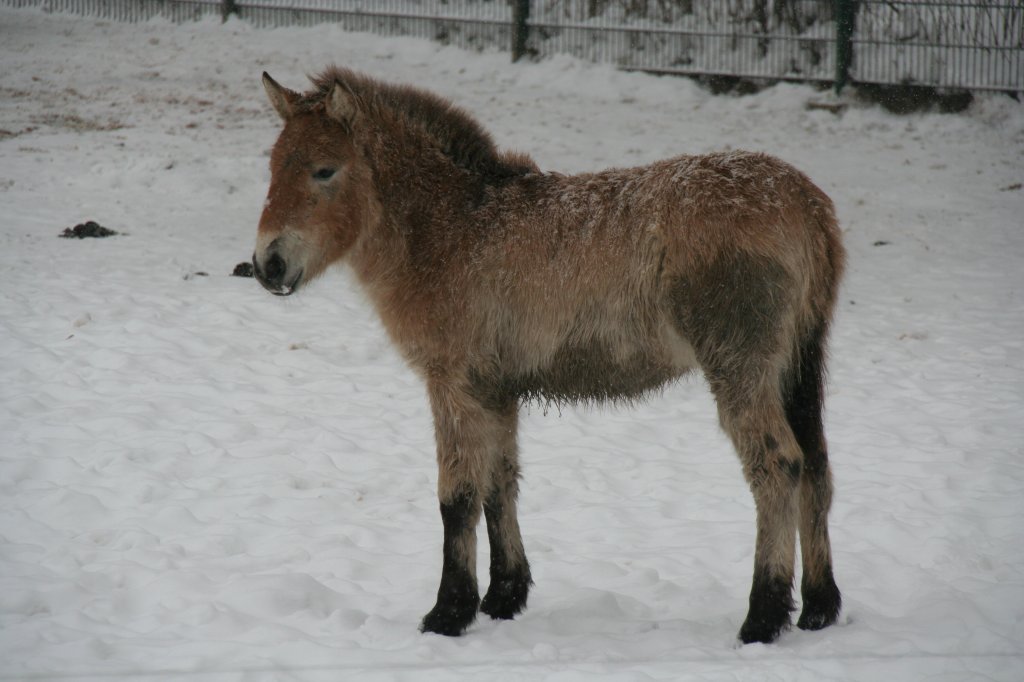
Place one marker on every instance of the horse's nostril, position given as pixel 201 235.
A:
pixel 274 269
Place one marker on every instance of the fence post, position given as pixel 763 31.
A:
pixel 844 42
pixel 520 13
pixel 227 8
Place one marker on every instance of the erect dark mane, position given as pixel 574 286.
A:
pixel 457 134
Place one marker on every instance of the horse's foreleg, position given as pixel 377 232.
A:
pixel 510 571
pixel 465 452
pixel 457 596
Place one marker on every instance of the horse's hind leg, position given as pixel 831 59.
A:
pixel 510 571
pixel 736 313
pixel 772 464
pixel 821 598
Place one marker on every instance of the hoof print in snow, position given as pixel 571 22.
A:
pixel 198 273
pixel 87 229
pixel 242 270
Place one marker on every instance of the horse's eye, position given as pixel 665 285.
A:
pixel 323 174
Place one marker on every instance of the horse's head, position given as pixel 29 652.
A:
pixel 320 196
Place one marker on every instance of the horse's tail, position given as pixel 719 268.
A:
pixel 804 390
pixel 804 387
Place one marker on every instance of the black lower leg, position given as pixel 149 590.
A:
pixel 457 597
pixel 510 572
pixel 822 602
pixel 771 602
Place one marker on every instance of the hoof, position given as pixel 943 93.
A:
pixel 450 619
pixel 769 616
pixel 821 606
pixel 761 630
pixel 506 597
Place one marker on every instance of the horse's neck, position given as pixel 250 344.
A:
pixel 403 291
pixel 417 199
pixel 425 203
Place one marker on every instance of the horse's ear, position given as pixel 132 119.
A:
pixel 282 98
pixel 342 104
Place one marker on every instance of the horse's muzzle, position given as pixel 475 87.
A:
pixel 273 275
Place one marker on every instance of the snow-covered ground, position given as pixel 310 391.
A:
pixel 200 481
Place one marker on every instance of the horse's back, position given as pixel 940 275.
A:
pixel 626 229
pixel 608 284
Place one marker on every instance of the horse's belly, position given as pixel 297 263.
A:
pixel 595 371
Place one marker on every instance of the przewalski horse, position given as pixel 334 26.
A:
pixel 500 283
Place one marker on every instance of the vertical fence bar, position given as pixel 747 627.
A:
pixel 844 42
pixel 520 13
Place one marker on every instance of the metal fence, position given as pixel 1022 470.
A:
pixel 975 45
pixel 747 38
pixel 971 44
